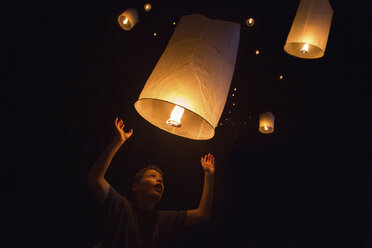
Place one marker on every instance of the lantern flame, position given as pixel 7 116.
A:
pixel 305 48
pixel 125 20
pixel 265 127
pixel 175 117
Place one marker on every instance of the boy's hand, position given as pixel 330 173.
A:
pixel 207 163
pixel 119 134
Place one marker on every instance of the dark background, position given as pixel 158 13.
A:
pixel 70 70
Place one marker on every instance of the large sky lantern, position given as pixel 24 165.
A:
pixel 310 29
pixel 266 123
pixel 187 90
pixel 128 19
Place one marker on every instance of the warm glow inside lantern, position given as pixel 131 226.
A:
pixel 128 19
pixel 147 7
pixel 249 22
pixel 266 123
pixel 309 32
pixel 187 90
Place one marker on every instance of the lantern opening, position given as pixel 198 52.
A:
pixel 125 22
pixel 266 129
pixel 305 48
pixel 175 117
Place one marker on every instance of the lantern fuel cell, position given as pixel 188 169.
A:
pixel 194 73
pixel 310 29
pixel 175 117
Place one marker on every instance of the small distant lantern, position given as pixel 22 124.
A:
pixel 266 123
pixel 187 90
pixel 128 19
pixel 147 7
pixel 310 29
pixel 249 22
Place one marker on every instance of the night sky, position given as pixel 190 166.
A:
pixel 71 69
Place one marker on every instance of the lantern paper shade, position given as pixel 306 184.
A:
pixel 309 32
pixel 193 73
pixel 128 19
pixel 266 123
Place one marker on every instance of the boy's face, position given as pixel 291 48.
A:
pixel 150 185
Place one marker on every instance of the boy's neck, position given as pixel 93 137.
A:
pixel 145 205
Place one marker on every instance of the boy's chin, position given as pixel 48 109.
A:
pixel 156 196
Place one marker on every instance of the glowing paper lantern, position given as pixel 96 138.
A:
pixel 249 22
pixel 309 32
pixel 266 123
pixel 147 7
pixel 128 19
pixel 192 77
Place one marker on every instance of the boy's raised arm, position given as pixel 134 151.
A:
pixel 204 210
pixel 96 176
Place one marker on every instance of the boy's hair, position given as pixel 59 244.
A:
pixel 137 177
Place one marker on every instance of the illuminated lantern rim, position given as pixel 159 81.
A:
pixel 266 131
pixel 197 127
pixel 294 49
pixel 127 26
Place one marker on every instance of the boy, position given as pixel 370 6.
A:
pixel 137 223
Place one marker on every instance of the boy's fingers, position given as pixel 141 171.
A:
pixel 130 132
